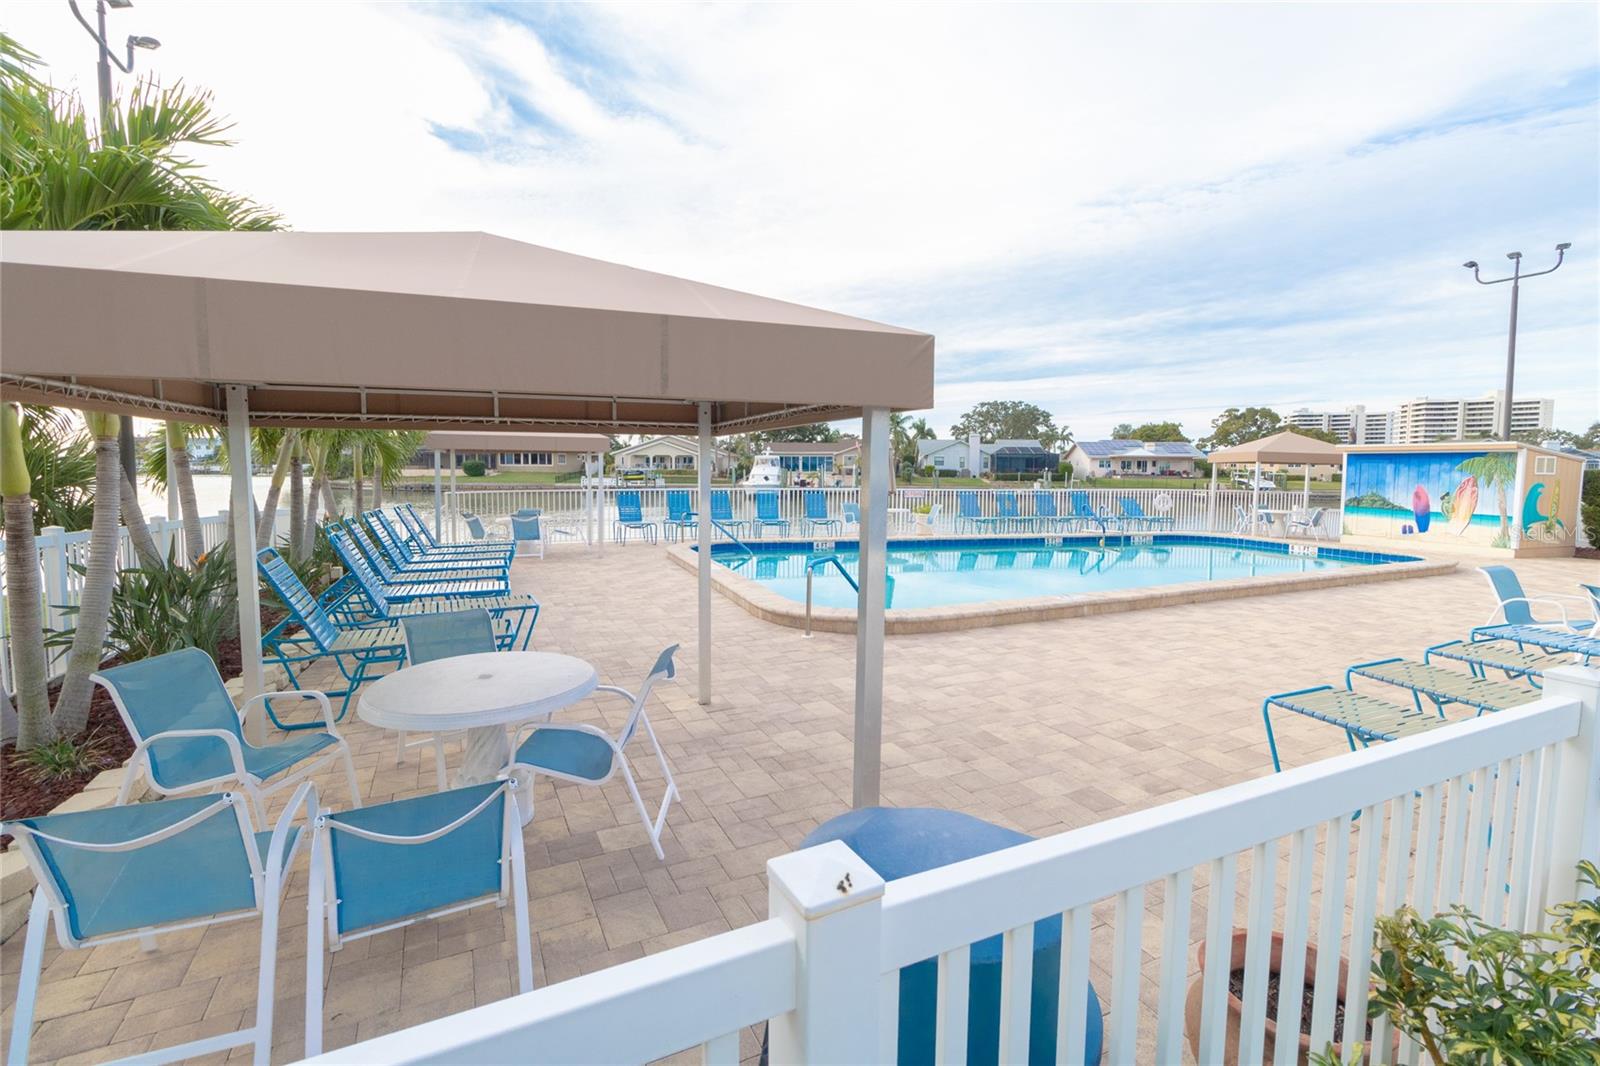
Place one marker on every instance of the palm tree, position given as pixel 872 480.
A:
pixel 177 438
pixel 24 588
pixel 99 579
pixel 144 545
pixel 283 442
pixel 60 461
pixel 297 500
pixel 1500 470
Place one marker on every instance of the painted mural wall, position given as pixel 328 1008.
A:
pixel 1462 498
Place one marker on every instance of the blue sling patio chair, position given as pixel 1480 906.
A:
pixel 1133 513
pixel 850 513
pixel 970 514
pixel 188 736
pixel 681 518
pixel 722 513
pixel 404 557
pixel 371 601
pixel 1514 607
pixel 768 514
pixel 477 531
pixel 124 873
pixel 308 635
pixel 1083 512
pixel 527 533
pixel 588 755
pixel 493 582
pixel 1008 511
pixel 394 864
pixel 630 515
pixel 419 541
pixel 1045 513
pixel 817 515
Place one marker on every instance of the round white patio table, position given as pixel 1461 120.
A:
pixel 482 694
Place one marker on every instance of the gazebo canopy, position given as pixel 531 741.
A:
pixel 424 331
pixel 1286 448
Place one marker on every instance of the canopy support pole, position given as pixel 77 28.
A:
pixel 244 551
pixel 1305 494
pixel 702 527
pixel 1255 500
pixel 1211 502
pixel 874 469
pixel 455 501
pixel 438 497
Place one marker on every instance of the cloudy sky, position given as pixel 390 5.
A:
pixel 1118 212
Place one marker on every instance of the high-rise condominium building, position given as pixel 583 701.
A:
pixel 1353 425
pixel 1427 419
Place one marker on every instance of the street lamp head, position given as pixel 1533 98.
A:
pixel 1513 255
pixel 148 43
pixel 119 3
pixel 1471 264
pixel 1564 246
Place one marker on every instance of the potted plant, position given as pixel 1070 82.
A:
pixel 1276 989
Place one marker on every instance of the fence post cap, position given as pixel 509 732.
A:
pixel 825 879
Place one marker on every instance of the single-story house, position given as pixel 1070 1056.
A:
pixel 840 456
pixel 670 453
pixel 559 453
pixel 1133 458
pixel 964 457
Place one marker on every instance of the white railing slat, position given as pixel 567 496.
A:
pixel 1396 865
pixel 1296 930
pixel 1258 949
pixel 1357 986
pixel 1528 788
pixel 1220 896
pixel 1427 864
pixel 889 1017
pixel 1072 1004
pixel 1500 833
pixel 1538 876
pixel 950 1011
pixel 1177 897
pixel 1330 930
pixel 721 1051
pixel 1016 993
pixel 1457 805
pixel 1122 1037
pixel 1483 782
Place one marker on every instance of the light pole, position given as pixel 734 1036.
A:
pixel 130 461
pixel 1511 343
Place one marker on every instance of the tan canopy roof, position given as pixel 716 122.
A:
pixel 425 331
pixel 1288 448
pixel 491 441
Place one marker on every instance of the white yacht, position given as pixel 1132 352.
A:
pixel 766 472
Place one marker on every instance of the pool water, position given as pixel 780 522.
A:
pixel 940 573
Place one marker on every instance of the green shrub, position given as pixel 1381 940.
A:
pixel 65 757
pixel 1589 506
pixel 1471 993
pixel 473 468
pixel 157 609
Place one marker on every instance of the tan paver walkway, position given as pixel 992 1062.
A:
pixel 1041 727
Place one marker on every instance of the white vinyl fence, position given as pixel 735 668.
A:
pixel 1190 509
pixel 1492 813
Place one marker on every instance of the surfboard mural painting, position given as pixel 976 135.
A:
pixel 1463 505
pixel 1422 507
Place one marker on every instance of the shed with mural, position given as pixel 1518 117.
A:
pixel 1482 497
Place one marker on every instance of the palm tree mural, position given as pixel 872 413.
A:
pixel 1498 469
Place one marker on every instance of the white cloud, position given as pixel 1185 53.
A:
pixel 1108 209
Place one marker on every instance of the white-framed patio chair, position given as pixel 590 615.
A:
pixel 187 735
pixel 125 873
pixel 391 865
pixel 1306 523
pixel 440 636
pixel 1241 519
pixel 1515 607
pixel 526 535
pixel 587 755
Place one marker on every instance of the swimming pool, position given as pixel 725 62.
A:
pixel 942 573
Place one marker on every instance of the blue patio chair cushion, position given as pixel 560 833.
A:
pixel 566 752
pixel 202 871
pixel 273 759
pixel 1508 587
pixel 179 690
pixel 900 842
pixel 447 634
pixel 525 527
pixel 377 882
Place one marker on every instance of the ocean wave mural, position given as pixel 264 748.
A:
pixel 1442 496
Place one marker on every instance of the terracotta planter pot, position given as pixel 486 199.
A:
pixel 1191 1008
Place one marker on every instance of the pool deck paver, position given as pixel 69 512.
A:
pixel 1042 727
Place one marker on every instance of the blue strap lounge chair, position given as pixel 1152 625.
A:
pixel 1549 638
pixel 308 635
pixel 722 513
pixel 372 601
pixel 1133 513
pixel 1363 718
pixel 630 515
pixel 1509 657
pixel 495 582
pixel 408 562
pixel 817 516
pixel 1083 512
pixel 394 864
pixel 970 515
pixel 1045 514
pixel 768 514
pixel 408 551
pixel 123 873
pixel 1514 607
pixel 588 755
pixel 188 736
pixel 681 518
pixel 1442 686
pixel 1008 511
pixel 418 543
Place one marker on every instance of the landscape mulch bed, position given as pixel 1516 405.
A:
pixel 23 797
